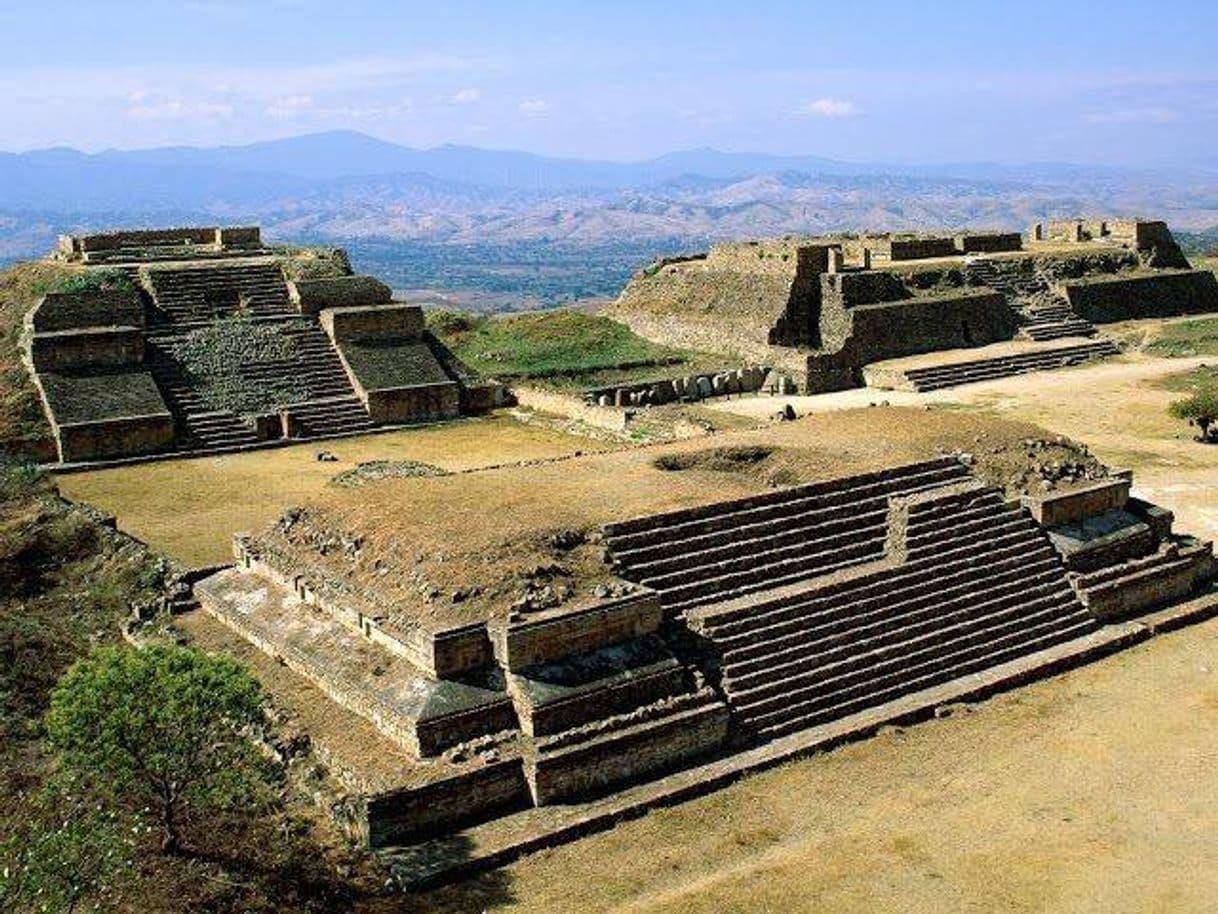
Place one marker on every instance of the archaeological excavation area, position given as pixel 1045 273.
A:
pixel 513 657
pixel 205 340
pixel 485 662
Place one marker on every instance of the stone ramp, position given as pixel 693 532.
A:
pixel 939 371
pixel 733 548
pixel 969 582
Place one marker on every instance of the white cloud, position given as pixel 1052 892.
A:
pixel 290 106
pixel 148 106
pixel 830 107
pixel 465 96
pixel 534 107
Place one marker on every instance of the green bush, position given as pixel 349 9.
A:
pixel 90 281
pixel 1200 409
pixel 165 728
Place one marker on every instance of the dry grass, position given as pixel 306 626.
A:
pixel 190 509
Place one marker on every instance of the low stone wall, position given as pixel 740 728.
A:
pixel 872 333
pixel 1052 509
pixel 524 643
pixel 1151 582
pixel 423 403
pixel 548 401
pixel 1166 293
pixel 689 387
pixel 989 242
pixel 442 654
pixel 396 817
pixel 594 767
pixel 99 347
pixel 78 310
pixel 312 296
pixel 107 439
pixel 894 249
pixel 129 238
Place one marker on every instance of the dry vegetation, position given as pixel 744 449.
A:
pixel 21 417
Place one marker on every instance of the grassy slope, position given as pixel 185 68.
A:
pixel 66 582
pixel 568 348
pixel 20 409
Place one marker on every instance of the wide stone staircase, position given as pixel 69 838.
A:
pixel 329 408
pixel 192 295
pixel 976 583
pixel 734 548
pixel 1044 312
pixel 953 374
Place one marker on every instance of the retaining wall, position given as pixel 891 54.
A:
pixel 1166 293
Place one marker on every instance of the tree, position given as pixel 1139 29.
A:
pixel 1200 409
pixel 161 727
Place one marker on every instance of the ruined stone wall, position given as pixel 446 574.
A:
pixel 889 330
pixel 592 767
pixel 1149 294
pixel 395 817
pixel 78 310
pixel 1054 508
pixel 311 296
pixel 888 250
pixel 68 350
pixel 107 439
pixel 523 643
pixel 424 403
pixel 988 242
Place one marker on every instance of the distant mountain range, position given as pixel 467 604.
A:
pixel 341 186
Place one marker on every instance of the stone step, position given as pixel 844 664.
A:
pixel 764 574
pixel 731 511
pixel 726 627
pixel 593 760
pixel 671 573
pixel 964 373
pixel 904 684
pixel 942 661
pixel 866 641
pixel 822 621
pixel 792 507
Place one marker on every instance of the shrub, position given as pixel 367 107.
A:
pixel 163 727
pixel 1200 409
pixel 91 281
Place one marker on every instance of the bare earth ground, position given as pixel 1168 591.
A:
pixel 190 509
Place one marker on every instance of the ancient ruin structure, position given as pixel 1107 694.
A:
pixel 823 309
pixel 658 628
pixel 204 339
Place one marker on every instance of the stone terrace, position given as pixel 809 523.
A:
pixel 535 636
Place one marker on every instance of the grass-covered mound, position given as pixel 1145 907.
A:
pixel 563 346
pixel 23 427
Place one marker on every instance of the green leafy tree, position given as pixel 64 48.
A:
pixel 164 728
pixel 1200 409
pixel 69 853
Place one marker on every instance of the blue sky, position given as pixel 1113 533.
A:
pixel 1121 82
